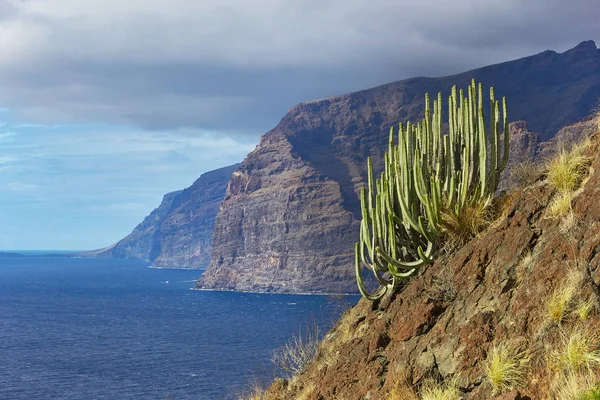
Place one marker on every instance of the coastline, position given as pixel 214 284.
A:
pixel 277 293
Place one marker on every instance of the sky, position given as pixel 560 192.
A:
pixel 105 106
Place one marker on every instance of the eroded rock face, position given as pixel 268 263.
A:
pixel 267 239
pixel 288 222
pixel 493 290
pixel 177 234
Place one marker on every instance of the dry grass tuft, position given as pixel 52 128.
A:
pixel 593 393
pixel 562 298
pixel 506 367
pixel 434 390
pixel 524 266
pixel 568 168
pixel 402 390
pixel 576 387
pixel 569 224
pixel 256 393
pixel 526 173
pixel 585 308
pixel 561 203
pixel 298 352
pixel 460 228
pixel 566 172
pixel 578 351
pixel 306 392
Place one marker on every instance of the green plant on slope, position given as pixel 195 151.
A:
pixel 428 174
pixel 592 394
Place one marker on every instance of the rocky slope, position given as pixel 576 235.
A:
pixel 288 222
pixel 523 282
pixel 177 234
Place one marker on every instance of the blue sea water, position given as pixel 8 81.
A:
pixel 73 328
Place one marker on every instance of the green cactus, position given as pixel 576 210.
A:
pixel 427 172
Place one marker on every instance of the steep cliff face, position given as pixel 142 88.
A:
pixel 298 189
pixel 177 234
pixel 522 283
pixel 268 239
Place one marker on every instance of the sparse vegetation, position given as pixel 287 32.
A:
pixel 434 390
pixel 574 386
pixel 568 168
pixel 525 173
pixel 591 394
pixel 459 228
pixel 562 298
pixel 402 391
pixel 566 171
pixel 585 308
pixel 297 353
pixel 506 367
pixel 255 393
pixel 578 351
pixel 560 204
pixel 306 392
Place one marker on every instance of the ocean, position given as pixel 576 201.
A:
pixel 75 328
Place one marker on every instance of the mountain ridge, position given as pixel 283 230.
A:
pixel 322 146
pixel 178 233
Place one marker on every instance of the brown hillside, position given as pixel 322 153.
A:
pixel 524 281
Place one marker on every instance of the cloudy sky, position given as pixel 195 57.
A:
pixel 107 105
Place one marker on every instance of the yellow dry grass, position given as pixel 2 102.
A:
pixel 561 203
pixel 574 386
pixel 459 228
pixel 306 392
pixel 578 351
pixel 524 266
pixel 433 390
pixel 585 308
pixel 566 172
pixel 562 298
pixel 568 168
pixel 256 393
pixel 402 391
pixel 506 367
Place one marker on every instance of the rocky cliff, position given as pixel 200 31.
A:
pixel 290 215
pixel 177 234
pixel 530 283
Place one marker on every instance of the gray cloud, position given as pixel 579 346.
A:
pixel 237 66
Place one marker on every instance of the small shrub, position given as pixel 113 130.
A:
pixel 506 367
pixel 524 266
pixel 525 173
pixel 296 354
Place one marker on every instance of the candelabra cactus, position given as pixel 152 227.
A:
pixel 427 172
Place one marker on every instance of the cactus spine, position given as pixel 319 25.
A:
pixel 427 172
